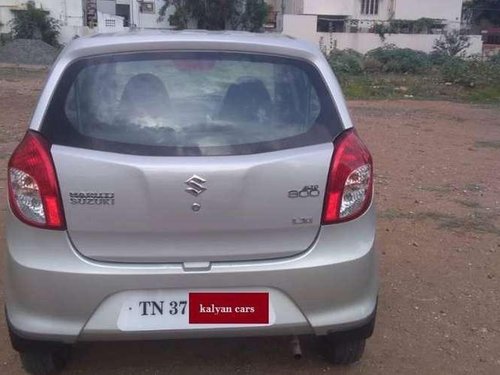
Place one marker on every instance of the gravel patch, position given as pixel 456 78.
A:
pixel 28 51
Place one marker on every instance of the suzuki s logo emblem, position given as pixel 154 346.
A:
pixel 195 185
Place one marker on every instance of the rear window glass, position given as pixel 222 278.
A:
pixel 190 104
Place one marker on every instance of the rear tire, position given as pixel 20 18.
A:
pixel 45 362
pixel 39 357
pixel 344 352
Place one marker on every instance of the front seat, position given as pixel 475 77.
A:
pixel 246 101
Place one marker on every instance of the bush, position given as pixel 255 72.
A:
pixel 346 62
pixel 455 70
pixel 452 43
pixel 439 59
pixel 372 65
pixel 399 60
pixel 471 72
pixel 34 23
pixel 495 59
pixel 4 38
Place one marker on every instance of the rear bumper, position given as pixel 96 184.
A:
pixel 53 293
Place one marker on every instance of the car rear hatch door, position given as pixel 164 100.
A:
pixel 174 209
pixel 191 157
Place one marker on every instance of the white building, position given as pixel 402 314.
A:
pixel 82 17
pixel 138 13
pixel 380 10
pixel 371 11
pixel 331 23
pixel 353 24
pixel 69 13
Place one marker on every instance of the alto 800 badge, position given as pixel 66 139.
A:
pixel 305 192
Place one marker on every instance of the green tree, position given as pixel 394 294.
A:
pixel 254 15
pixel 34 23
pixel 217 14
pixel 483 12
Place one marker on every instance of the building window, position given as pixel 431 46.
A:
pixel 147 8
pixel 109 22
pixel 369 7
pixel 331 24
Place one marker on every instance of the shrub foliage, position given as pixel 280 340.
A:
pixel 346 61
pixel 467 72
pixel 452 43
pixel 34 23
pixel 390 59
pixel 472 72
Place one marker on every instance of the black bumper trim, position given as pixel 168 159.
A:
pixel 362 332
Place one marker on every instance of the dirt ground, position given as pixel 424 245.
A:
pixel 438 198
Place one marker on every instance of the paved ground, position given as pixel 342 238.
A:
pixel 438 197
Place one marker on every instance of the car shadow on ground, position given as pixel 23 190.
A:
pixel 196 356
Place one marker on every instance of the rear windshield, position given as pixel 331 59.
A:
pixel 190 104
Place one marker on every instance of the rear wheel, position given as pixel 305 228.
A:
pixel 45 362
pixel 39 357
pixel 344 352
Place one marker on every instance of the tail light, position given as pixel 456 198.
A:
pixel 350 180
pixel 33 189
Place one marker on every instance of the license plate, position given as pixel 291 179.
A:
pixel 177 310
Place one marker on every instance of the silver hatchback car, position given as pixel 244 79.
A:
pixel 189 184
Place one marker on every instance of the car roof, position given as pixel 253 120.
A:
pixel 143 40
